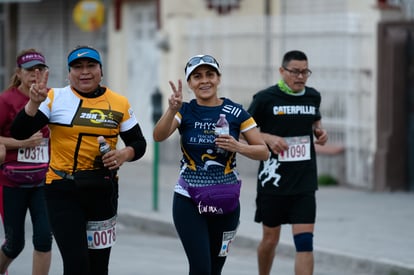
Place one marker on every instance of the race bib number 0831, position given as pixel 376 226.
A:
pixel 299 149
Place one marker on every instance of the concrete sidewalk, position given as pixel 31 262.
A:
pixel 362 231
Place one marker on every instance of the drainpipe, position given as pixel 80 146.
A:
pixel 268 43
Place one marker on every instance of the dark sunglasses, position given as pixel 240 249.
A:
pixel 205 58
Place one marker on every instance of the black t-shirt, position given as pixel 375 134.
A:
pixel 288 116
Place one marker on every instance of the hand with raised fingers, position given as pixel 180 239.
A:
pixel 176 99
pixel 38 89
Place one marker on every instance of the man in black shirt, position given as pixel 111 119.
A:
pixel 290 122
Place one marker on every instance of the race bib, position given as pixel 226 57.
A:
pixel 228 238
pixel 38 154
pixel 101 234
pixel 299 149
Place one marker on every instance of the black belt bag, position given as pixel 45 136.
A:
pixel 88 177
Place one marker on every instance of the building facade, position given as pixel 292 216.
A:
pixel 146 43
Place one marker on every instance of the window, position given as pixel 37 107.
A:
pixel 223 6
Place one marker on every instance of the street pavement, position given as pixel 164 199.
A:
pixel 357 232
pixel 140 252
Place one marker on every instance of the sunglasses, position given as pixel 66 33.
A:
pixel 197 60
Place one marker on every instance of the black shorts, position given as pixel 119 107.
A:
pixel 274 210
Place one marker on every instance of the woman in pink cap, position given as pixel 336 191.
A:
pixel 22 175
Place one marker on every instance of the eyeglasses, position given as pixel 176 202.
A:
pixel 296 73
pixel 197 59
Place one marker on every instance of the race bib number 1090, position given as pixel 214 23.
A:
pixel 299 149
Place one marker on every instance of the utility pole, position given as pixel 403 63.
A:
pixel 156 100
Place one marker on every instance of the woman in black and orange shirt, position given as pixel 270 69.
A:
pixel 82 185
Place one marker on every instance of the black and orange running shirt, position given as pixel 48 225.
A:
pixel 76 122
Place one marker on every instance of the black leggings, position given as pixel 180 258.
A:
pixel 70 206
pixel 202 236
pixel 16 202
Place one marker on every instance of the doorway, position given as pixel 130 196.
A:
pixel 394 159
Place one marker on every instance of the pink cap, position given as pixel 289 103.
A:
pixel 32 59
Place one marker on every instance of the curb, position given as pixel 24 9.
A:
pixel 339 260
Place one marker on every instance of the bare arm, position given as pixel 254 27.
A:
pixel 11 143
pixel 2 153
pixel 320 133
pixel 251 146
pixel 276 143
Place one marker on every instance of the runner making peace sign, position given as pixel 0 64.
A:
pixel 81 184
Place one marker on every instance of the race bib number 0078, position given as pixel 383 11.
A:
pixel 299 149
pixel 101 234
